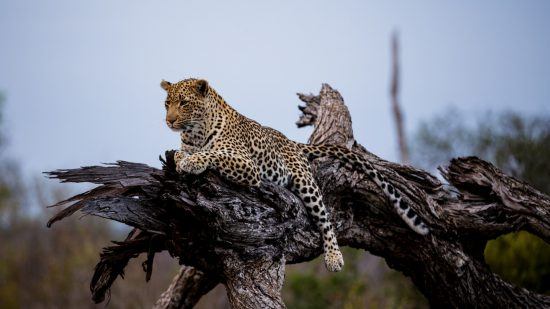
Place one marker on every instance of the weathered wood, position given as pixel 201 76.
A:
pixel 256 283
pixel 494 202
pixel 187 287
pixel 243 237
pixel 114 259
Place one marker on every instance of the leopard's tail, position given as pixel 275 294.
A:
pixel 347 156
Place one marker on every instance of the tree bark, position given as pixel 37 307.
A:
pixel 187 287
pixel 243 237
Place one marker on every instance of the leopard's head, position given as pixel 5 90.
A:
pixel 186 103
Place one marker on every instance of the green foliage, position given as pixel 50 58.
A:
pixel 340 290
pixel 311 286
pixel 528 254
pixel 518 145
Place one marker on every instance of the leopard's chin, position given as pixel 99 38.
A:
pixel 178 127
pixel 183 126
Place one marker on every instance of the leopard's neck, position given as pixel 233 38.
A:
pixel 218 116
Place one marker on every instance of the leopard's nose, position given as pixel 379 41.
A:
pixel 170 121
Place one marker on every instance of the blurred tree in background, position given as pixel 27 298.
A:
pixel 520 146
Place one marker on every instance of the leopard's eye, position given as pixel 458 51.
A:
pixel 183 102
pixel 166 104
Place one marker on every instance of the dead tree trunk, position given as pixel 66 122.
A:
pixel 243 237
pixel 403 147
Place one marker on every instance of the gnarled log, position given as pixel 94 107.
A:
pixel 243 237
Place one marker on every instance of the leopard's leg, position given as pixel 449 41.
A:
pixel 184 151
pixel 303 184
pixel 191 139
pixel 232 165
pixel 188 149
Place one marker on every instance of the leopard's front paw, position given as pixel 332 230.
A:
pixel 334 260
pixel 191 165
pixel 180 155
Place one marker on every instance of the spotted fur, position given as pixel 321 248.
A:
pixel 403 209
pixel 216 136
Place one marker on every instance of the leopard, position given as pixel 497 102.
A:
pixel 216 136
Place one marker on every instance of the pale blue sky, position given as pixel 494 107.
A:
pixel 81 77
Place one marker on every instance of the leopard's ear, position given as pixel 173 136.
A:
pixel 202 87
pixel 165 85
